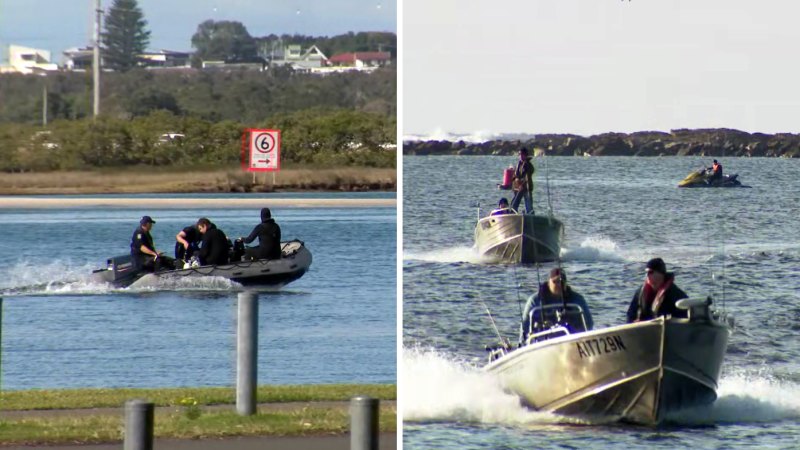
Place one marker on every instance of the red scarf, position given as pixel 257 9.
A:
pixel 650 299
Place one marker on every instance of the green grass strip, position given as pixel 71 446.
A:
pixel 75 429
pixel 110 398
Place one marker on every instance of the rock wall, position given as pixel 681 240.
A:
pixel 702 142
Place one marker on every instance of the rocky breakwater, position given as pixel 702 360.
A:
pixel 683 142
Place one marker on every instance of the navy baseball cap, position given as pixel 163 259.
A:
pixel 147 219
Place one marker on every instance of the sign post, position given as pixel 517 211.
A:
pixel 261 151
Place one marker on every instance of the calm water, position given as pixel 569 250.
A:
pixel 740 245
pixel 337 324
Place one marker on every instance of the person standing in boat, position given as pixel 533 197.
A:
pixel 188 242
pixel 214 246
pixel 269 238
pixel 555 291
pixel 657 296
pixel 523 182
pixel 502 208
pixel 143 251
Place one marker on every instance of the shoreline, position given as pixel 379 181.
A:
pixel 27 202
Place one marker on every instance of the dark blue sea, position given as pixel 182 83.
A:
pixel 741 246
pixel 337 324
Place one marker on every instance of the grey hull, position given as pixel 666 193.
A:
pixel 293 264
pixel 519 238
pixel 637 373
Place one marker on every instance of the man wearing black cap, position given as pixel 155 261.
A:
pixel 269 238
pixel 523 182
pixel 554 292
pixel 658 294
pixel 143 252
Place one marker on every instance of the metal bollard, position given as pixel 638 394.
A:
pixel 364 423
pixel 139 425
pixel 246 354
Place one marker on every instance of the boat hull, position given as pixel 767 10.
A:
pixel 519 238
pixel 637 373
pixel 293 264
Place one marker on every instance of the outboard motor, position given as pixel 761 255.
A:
pixel 238 250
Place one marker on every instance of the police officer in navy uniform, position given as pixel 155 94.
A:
pixel 143 251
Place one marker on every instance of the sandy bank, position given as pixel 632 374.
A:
pixel 193 203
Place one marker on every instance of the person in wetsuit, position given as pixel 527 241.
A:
pixel 269 238
pixel 188 242
pixel 214 248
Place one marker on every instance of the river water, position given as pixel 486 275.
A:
pixel 336 324
pixel 741 246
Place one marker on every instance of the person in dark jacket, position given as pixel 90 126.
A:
pixel 143 251
pixel 657 296
pixel 502 208
pixel 214 246
pixel 269 238
pixel 555 291
pixel 188 242
pixel 523 182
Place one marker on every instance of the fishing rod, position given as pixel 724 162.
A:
pixel 503 341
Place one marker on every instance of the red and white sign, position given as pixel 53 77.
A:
pixel 263 150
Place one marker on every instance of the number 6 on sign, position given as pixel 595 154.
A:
pixel 263 150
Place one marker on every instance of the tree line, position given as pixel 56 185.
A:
pixel 312 137
pixel 239 95
pixel 126 36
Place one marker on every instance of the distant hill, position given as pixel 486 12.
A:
pixel 681 142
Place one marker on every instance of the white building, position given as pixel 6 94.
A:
pixel 28 60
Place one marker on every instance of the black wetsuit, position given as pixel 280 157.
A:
pixel 193 237
pixel 214 248
pixel 269 239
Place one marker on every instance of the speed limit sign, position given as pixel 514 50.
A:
pixel 264 150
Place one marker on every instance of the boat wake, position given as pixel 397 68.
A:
pixel 448 255
pixel 64 278
pixel 593 249
pixel 439 387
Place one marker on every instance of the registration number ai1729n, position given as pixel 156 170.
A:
pixel 600 346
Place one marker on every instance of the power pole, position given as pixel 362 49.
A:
pixel 96 62
pixel 44 106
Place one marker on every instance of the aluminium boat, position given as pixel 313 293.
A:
pixel 637 373
pixel 519 238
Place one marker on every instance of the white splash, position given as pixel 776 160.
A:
pixel 448 255
pixel 439 134
pixel 436 387
pixel 594 248
pixel 748 398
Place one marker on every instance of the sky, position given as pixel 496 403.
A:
pixel 57 25
pixel 594 66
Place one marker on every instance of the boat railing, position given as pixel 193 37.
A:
pixel 550 321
